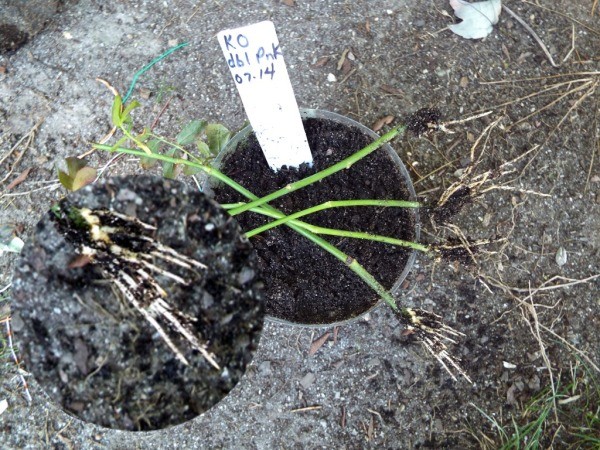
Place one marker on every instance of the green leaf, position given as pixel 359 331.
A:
pixel 148 162
pixel 74 164
pixel 127 111
pixel 83 177
pixel 217 136
pixel 154 145
pixel 191 132
pixel 118 143
pixel 169 168
pixel 144 135
pixel 204 150
pixel 65 180
pixel 190 170
pixel 78 174
pixel 116 111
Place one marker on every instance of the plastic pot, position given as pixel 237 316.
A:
pixel 316 313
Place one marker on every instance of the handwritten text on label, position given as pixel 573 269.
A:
pixel 260 59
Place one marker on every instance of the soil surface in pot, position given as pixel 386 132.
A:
pixel 95 354
pixel 303 283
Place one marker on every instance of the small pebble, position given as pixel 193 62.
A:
pixel 264 368
pixel 561 256
pixel 508 365
pixel 246 275
pixel 307 380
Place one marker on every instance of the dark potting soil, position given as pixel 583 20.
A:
pixel 96 355
pixel 303 283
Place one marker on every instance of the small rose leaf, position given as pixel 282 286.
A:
pixel 191 132
pixel 83 177
pixel 79 174
pixel 217 136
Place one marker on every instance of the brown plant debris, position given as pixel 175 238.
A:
pixel 423 120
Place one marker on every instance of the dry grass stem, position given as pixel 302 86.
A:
pixel 113 130
pixel 588 84
pixel 16 360
pixel 591 83
pixel 544 78
pixel 535 331
pixel 566 16
pixel 306 409
pixel 545 286
pixel 443 126
pixel 537 38
pixel 29 137
pixel 596 146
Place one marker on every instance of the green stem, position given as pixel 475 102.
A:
pixel 343 164
pixel 195 159
pixel 350 262
pixel 347 260
pixel 333 204
pixel 229 206
pixel 139 143
pixel 211 171
pixel 333 231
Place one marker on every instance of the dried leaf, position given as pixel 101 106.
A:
pixel 318 343
pixel 321 61
pixel 80 261
pixel 478 18
pixel 342 59
pixel 19 179
pixel 346 66
pixel 391 90
pixel 386 120
pixel 510 395
pixel 83 177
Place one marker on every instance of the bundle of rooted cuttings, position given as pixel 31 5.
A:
pixel 140 301
pixel 426 327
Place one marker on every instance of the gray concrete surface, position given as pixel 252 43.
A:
pixel 369 387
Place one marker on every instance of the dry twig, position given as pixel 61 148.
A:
pixel 16 360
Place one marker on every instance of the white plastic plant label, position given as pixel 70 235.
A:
pixel 260 74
